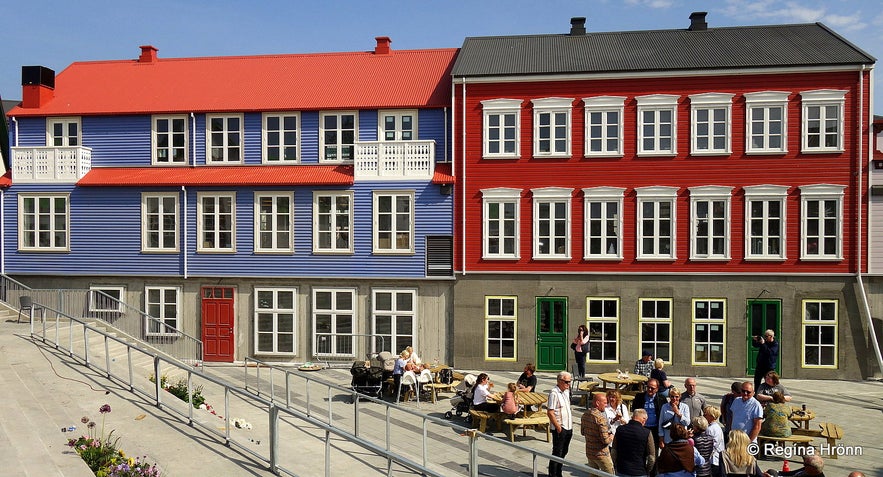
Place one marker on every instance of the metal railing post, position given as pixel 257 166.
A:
pixel 157 382
pixel 273 423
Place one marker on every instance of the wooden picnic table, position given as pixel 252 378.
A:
pixel 801 418
pixel 525 398
pixel 623 381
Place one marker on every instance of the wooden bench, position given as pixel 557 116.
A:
pixel 795 439
pixel 537 420
pixel 483 417
pixel 827 430
pixel 442 388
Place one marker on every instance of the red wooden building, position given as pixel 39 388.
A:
pixel 673 190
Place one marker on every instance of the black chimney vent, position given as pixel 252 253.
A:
pixel 577 26
pixel 697 21
pixel 37 75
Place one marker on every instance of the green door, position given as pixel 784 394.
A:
pixel 552 334
pixel 762 315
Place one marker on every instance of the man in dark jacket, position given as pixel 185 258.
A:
pixel 634 450
pixel 767 355
pixel 652 402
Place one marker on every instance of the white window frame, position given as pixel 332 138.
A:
pixel 657 196
pixel 655 320
pixel 704 129
pixel 604 198
pixel 161 215
pixel 504 318
pixel 504 198
pixel 603 320
pixel 163 306
pixel 170 136
pixel 821 193
pixel 340 145
pixel 271 226
pixel 232 141
pixel 276 313
pixel 98 303
pixel 201 228
pixel 335 342
pixel 822 100
pixel 285 139
pixel 551 198
pixel 333 227
pixel 556 109
pixel 395 340
pixel 807 321
pixel 766 101
pixel 34 232
pixel 501 108
pixel 399 132
pixel 65 139
pixel 766 194
pixel 657 104
pixel 394 230
pixel 709 196
pixel 705 306
pixel 605 131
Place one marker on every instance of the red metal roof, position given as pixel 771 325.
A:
pixel 6 179
pixel 443 174
pixel 306 175
pixel 356 80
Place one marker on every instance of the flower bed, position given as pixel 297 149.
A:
pixel 101 454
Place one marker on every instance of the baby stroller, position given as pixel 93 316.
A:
pixel 462 401
pixel 367 379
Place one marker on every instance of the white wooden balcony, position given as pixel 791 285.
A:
pixel 394 160
pixel 50 165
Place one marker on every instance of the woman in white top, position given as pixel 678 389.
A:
pixel 616 411
pixel 480 392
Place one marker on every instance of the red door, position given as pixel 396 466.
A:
pixel 217 324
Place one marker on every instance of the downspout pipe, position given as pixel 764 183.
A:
pixel 860 190
pixel 184 232
pixel 463 183
pixel 192 140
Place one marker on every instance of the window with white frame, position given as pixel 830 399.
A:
pixel 217 221
pixel 393 319
pixel 159 222
pixel 281 138
pixel 43 222
pixel 163 307
pixel 551 127
pixel 657 124
pixel 275 321
pixel 224 138
pixel 332 222
pixel 821 216
pixel 656 222
pixel 709 331
pixel 603 216
pixel 106 298
pixel 551 222
pixel 337 135
pixel 820 333
pixel 602 319
pixel 710 123
pixel 63 132
pixel 502 128
pixel 334 321
pixel 710 227
pixel 170 139
pixel 655 325
pixel 393 222
pixel 274 222
pixel 765 222
pixel 397 126
pixel 766 119
pixel 604 125
pixel 822 124
pixel 501 318
pixel 501 218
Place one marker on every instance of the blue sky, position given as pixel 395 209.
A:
pixel 55 33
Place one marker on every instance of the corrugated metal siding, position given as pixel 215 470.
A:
pixel 875 233
pixel 31 132
pixel 309 137
pixel 118 141
pixel 368 125
pixel 431 123
pixel 252 138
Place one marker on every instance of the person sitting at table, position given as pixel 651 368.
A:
pixel 672 412
pixel 617 412
pixel 659 375
pixel 413 356
pixel 644 365
pixel 775 417
pixel 509 406
pixel 480 392
pixel 769 386
pixel 527 382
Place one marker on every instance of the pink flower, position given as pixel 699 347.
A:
pixel 104 409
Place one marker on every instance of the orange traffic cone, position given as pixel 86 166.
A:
pixel 785 467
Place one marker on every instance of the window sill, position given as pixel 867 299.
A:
pixel 822 151
pixel 332 252
pixel 709 259
pixel 656 259
pixel 550 258
pixel 710 153
pixel 821 259
pixel 500 258
pixel 765 259
pixel 502 157
pixel 602 259
pixel 604 155
pixel 657 154
pixel 761 152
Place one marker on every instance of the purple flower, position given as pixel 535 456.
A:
pixel 84 419
pixel 104 409
pixel 91 425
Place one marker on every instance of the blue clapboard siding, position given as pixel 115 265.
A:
pixel 117 140
pixel 431 125
pixel 309 137
pixel 31 132
pixel 252 140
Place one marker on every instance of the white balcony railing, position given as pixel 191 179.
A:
pixel 394 160
pixel 47 165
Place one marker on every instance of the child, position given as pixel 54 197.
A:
pixel 509 406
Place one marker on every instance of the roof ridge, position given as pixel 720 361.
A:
pixel 660 30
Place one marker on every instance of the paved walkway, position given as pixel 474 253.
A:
pixel 43 391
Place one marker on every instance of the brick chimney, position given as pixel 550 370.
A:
pixel 148 54
pixel 382 47
pixel 697 21
pixel 37 86
pixel 577 26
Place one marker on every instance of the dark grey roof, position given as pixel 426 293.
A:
pixel 772 46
